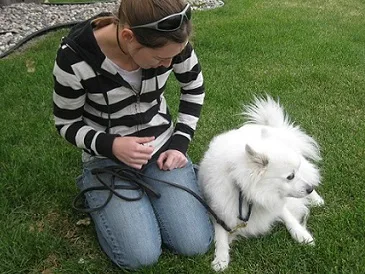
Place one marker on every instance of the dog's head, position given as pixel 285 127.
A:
pixel 277 170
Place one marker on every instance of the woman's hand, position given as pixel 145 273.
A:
pixel 132 151
pixel 171 159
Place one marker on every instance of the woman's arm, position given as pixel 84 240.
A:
pixel 188 72
pixel 68 107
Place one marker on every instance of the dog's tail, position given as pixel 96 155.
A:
pixel 268 112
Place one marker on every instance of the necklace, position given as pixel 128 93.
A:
pixel 132 65
pixel 120 47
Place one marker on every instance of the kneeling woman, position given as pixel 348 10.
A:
pixel 110 76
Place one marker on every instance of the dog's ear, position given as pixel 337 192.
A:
pixel 257 158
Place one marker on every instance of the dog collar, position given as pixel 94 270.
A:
pixel 243 219
pixel 240 202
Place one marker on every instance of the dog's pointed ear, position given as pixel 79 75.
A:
pixel 257 158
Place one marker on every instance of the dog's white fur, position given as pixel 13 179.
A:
pixel 273 163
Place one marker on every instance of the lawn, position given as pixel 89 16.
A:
pixel 308 53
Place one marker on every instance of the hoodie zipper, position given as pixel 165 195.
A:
pixel 138 103
pixel 138 107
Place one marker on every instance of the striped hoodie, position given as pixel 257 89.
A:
pixel 93 104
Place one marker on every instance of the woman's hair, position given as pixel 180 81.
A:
pixel 139 12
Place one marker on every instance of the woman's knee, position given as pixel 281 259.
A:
pixel 193 247
pixel 194 242
pixel 132 254
pixel 130 242
pixel 137 258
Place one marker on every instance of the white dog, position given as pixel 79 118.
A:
pixel 259 174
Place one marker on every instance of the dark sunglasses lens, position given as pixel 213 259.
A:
pixel 170 23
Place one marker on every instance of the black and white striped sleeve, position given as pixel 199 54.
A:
pixel 68 107
pixel 189 74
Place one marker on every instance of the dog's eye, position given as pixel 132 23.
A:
pixel 290 177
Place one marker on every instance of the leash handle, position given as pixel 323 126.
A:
pixel 134 177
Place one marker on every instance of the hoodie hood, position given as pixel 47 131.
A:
pixel 81 40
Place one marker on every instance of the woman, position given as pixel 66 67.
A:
pixel 110 76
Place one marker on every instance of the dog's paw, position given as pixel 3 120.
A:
pixel 303 237
pixel 318 201
pixel 315 199
pixel 220 264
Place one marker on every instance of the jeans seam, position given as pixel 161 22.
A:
pixel 162 227
pixel 109 236
pixel 167 235
pixel 111 239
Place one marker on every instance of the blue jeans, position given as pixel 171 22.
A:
pixel 131 233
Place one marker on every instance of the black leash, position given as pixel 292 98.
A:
pixel 240 201
pixel 135 177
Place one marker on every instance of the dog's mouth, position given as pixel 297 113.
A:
pixel 298 195
pixel 308 189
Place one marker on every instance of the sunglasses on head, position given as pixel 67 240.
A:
pixel 168 23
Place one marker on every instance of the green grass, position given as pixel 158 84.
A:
pixel 309 53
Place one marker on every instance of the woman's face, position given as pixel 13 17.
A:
pixel 152 58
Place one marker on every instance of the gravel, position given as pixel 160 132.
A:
pixel 24 19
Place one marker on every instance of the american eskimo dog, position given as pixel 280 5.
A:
pixel 259 174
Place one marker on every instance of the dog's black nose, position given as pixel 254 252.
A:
pixel 309 189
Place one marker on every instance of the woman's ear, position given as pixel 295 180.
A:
pixel 127 35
